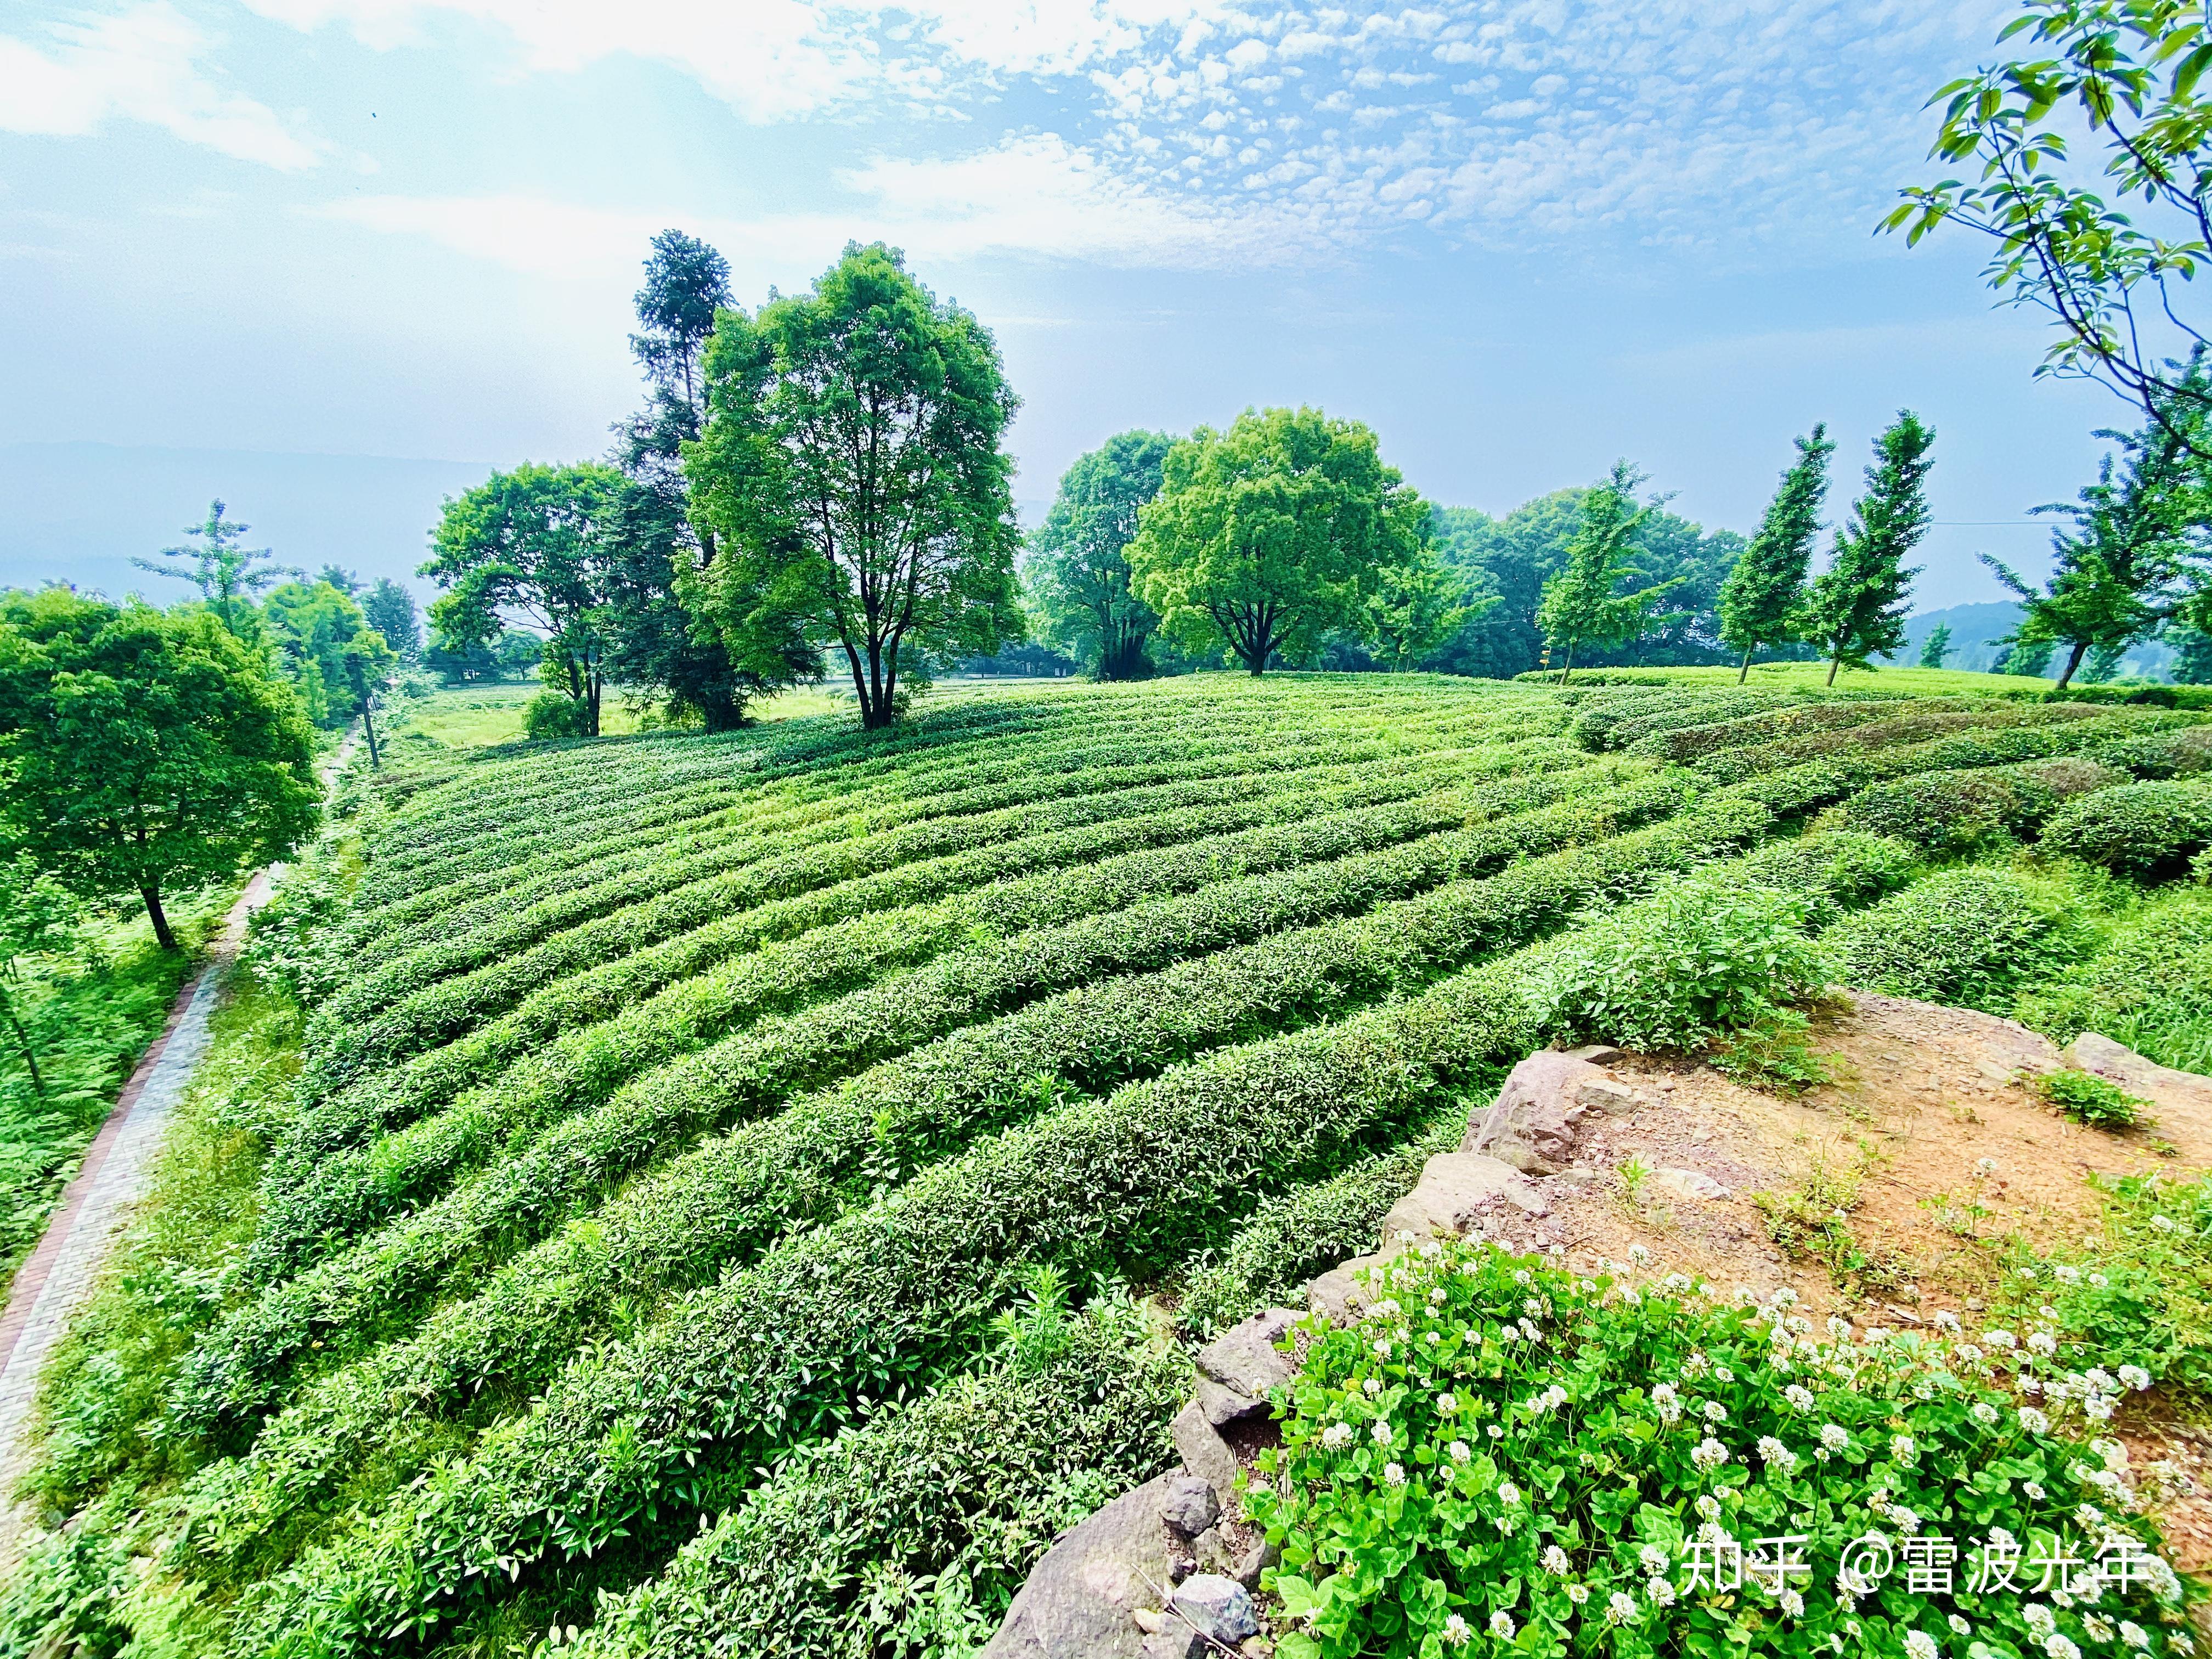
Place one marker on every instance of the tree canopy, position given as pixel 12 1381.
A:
pixel 1762 601
pixel 228 576
pixel 1581 602
pixel 145 747
pixel 390 610
pixel 534 541
pixel 306 625
pixel 1077 571
pixel 1856 608
pixel 852 470
pixel 1268 534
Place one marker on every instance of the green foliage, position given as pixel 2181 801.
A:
pixel 1855 608
pixel 1701 956
pixel 535 541
pixel 308 628
pixel 2148 985
pixel 1833 871
pixel 1936 646
pixel 2145 831
pixel 1955 812
pixel 1579 601
pixel 389 609
pixel 550 716
pixel 1500 1449
pixel 1971 937
pixel 1761 601
pixel 1267 534
pixel 227 574
pixel 1077 574
pixel 901 555
pixel 2087 1098
pixel 144 748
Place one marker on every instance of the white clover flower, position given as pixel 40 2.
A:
pixel 1661 1591
pixel 2100 1281
pixel 1639 1256
pixel 2033 1420
pixel 1619 1607
pixel 2134 1634
pixel 1382 1349
pixel 1447 1403
pixel 2068 1275
pixel 1834 1438
pixel 1799 1396
pixel 1792 1604
pixel 1440 1296
pixel 1948 1322
pixel 2135 1377
pixel 1776 1455
pixel 1495 1431
pixel 1509 1494
pixel 1520 1275
pixel 1666 1402
pixel 1653 1558
pixel 1553 1559
pixel 1455 1630
pixel 1381 1429
pixel 1838 1327
pixel 1433 1338
pixel 1709 1455
pixel 1501 1626
pixel 1459 1451
pixel 2034 1490
pixel 1431 1250
pixel 1394 1474
pixel 1714 1412
pixel 1337 1436
pixel 1578 1594
pixel 1723 1374
pixel 2000 1341
pixel 1371 1387
pixel 1918 1645
pixel 2097 1630
pixel 1387 1308
pixel 1904 1520
pixel 2042 1342
pixel 2099 1406
pixel 1968 1354
pixel 2040 1620
pixel 1901 1447
pixel 2060 1647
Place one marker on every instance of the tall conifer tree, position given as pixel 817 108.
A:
pixel 1855 608
pixel 1761 600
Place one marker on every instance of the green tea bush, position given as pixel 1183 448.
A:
pixel 2149 984
pixel 914 1531
pixel 2087 1098
pixel 1835 871
pixel 1704 955
pixel 2184 751
pixel 1502 1457
pixel 1971 937
pixel 2145 831
pixel 1953 813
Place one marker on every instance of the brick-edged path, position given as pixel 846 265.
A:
pixel 55 1281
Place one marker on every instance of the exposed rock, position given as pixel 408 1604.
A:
pixel 1598 1054
pixel 1190 1505
pixel 1453 1190
pixel 1237 1368
pixel 1688 1183
pixel 1080 1596
pixel 1177 1641
pixel 1221 1608
pixel 1338 1296
pixel 1534 1122
pixel 1203 1452
pixel 1255 1561
pixel 2116 1063
pixel 1150 1620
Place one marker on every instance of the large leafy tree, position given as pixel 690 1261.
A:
pixel 390 610
pixel 853 475
pixel 1270 533
pixel 1076 572
pixel 306 625
pixel 2107 250
pixel 1582 602
pixel 2130 543
pixel 1763 596
pixel 534 542
pixel 660 649
pixel 1856 608
pixel 229 576
pixel 145 748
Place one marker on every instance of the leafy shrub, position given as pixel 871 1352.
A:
pixel 1968 937
pixel 1701 956
pixel 2087 1098
pixel 1499 1450
pixel 1835 871
pixel 2149 986
pixel 2182 752
pixel 1950 813
pixel 2147 831
pixel 552 716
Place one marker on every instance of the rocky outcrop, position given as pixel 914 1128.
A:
pixel 2168 1089
pixel 1080 1598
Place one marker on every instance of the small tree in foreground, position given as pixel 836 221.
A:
pixel 1856 608
pixel 1269 534
pixel 1580 606
pixel 143 748
pixel 1764 597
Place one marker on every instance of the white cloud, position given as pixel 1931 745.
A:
pixel 142 64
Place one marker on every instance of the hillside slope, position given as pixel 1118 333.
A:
pixel 670 1102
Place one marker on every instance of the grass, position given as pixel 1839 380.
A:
pixel 90 1015
pixel 675 1106
pixel 487 716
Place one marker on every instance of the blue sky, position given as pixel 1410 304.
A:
pixel 1519 238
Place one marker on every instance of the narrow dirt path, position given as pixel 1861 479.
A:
pixel 61 1270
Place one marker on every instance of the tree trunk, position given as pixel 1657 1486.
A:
pixel 1744 673
pixel 1835 662
pixel 1567 663
pixel 368 730
pixel 2081 650
pixel 23 1042
pixel 162 936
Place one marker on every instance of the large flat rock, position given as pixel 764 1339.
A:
pixel 1079 1597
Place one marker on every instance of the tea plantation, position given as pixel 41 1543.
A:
pixel 711 1203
